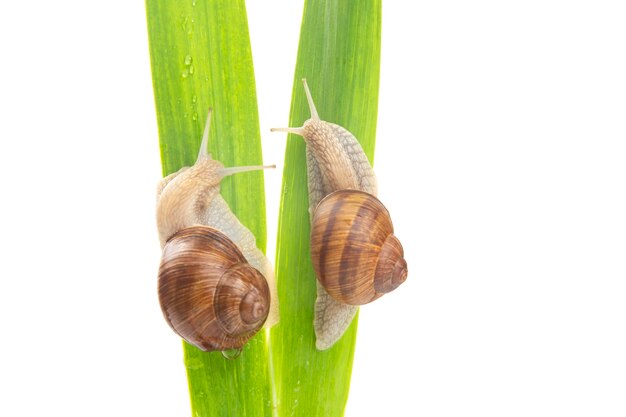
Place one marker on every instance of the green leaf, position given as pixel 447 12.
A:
pixel 200 57
pixel 339 55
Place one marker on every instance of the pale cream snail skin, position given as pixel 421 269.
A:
pixel 216 288
pixel 355 254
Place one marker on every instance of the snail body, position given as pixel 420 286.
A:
pixel 212 277
pixel 353 266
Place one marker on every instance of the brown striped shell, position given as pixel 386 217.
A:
pixel 355 255
pixel 209 294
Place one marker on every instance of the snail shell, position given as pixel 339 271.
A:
pixel 355 254
pixel 208 292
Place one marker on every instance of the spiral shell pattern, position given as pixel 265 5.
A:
pixel 355 254
pixel 209 294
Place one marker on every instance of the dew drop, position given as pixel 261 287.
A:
pixel 194 99
pixel 190 69
pixel 185 73
pixel 194 116
pixel 188 60
pixel 231 353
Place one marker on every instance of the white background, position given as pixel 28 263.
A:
pixel 501 156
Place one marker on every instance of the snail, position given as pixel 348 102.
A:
pixel 216 288
pixel 355 255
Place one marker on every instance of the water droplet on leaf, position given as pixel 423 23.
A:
pixel 231 353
